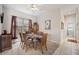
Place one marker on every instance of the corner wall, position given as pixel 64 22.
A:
pixel 54 32
pixel 8 13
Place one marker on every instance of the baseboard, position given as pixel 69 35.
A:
pixel 54 42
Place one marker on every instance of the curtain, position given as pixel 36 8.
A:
pixel 13 27
pixel 30 24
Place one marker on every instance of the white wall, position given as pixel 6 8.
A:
pixel 0 8
pixel 67 11
pixel 8 16
pixel 54 32
pixel 0 19
pixel 77 25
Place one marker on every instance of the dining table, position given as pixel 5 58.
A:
pixel 34 39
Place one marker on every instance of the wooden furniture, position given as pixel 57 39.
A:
pixel 23 40
pixel 42 42
pixel 27 42
pixel 4 32
pixel 6 42
pixel 43 45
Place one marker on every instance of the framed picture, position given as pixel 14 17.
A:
pixel 62 25
pixel 48 24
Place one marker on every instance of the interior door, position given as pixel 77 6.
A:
pixel 70 25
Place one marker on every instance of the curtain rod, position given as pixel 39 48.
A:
pixel 22 17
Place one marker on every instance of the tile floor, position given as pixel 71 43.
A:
pixel 66 48
pixel 17 50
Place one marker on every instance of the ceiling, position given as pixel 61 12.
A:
pixel 26 8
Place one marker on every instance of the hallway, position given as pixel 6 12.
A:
pixel 67 48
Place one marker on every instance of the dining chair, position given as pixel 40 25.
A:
pixel 22 40
pixel 25 41
pixel 43 42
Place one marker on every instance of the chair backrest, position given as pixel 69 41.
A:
pixel 21 36
pixel 24 36
pixel 44 39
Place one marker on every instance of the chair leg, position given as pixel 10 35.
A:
pixel 46 48
pixel 35 46
pixel 21 45
pixel 41 50
pixel 26 48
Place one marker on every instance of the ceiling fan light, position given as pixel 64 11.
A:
pixel 35 9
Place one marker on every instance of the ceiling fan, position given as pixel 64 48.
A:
pixel 34 7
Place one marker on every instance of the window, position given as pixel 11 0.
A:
pixel 22 24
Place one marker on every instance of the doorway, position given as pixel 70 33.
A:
pixel 69 22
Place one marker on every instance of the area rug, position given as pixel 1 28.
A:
pixel 52 46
